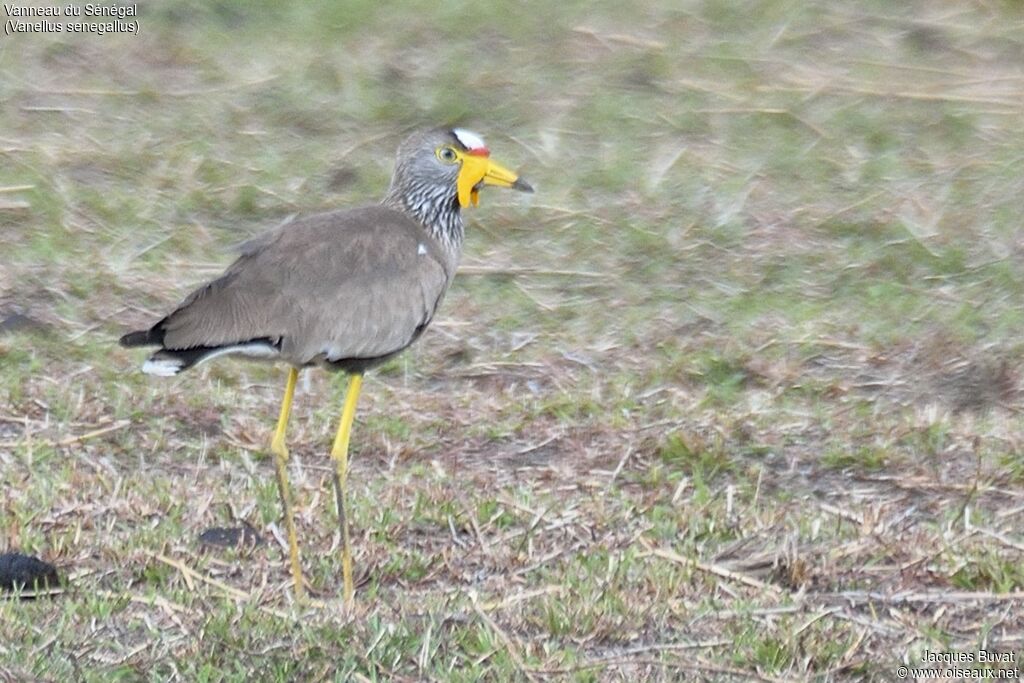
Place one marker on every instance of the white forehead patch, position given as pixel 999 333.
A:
pixel 468 138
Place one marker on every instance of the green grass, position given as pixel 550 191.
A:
pixel 734 396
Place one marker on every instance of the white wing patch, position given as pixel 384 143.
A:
pixel 162 367
pixel 422 249
pixel 332 352
pixel 168 367
pixel 468 138
pixel 253 350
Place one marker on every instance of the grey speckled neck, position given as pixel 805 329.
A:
pixel 436 208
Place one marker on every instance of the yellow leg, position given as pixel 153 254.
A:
pixel 280 459
pixel 339 453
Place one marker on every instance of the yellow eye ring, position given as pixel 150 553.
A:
pixel 447 155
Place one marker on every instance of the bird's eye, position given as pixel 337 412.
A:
pixel 446 154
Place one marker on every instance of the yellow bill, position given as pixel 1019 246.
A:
pixel 478 170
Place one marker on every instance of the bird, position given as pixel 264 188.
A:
pixel 343 290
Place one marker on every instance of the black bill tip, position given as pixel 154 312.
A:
pixel 522 185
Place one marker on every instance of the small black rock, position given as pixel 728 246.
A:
pixel 244 536
pixel 19 571
pixel 16 322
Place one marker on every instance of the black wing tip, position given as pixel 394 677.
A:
pixel 154 336
pixel 136 338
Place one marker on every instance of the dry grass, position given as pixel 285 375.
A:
pixel 736 396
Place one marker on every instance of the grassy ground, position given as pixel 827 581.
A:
pixel 734 396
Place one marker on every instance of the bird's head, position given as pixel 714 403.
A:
pixel 451 162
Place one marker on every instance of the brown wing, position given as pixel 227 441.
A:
pixel 360 283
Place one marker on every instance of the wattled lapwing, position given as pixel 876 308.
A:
pixel 344 290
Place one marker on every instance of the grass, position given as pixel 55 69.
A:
pixel 734 396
